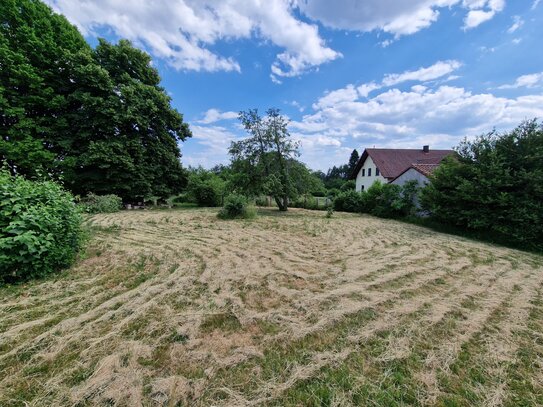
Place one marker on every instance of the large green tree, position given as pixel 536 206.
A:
pixel 97 117
pixel 495 184
pixel 263 160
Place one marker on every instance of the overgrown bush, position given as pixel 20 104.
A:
pixel 495 185
pixel 39 228
pixel 390 200
pixel 206 188
pixel 383 200
pixel 93 203
pixel 348 185
pixel 236 206
pixel 348 201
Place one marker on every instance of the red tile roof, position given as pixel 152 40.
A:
pixel 425 169
pixel 392 162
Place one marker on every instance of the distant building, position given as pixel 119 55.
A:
pixel 396 166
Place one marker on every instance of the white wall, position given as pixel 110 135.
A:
pixel 365 181
pixel 411 174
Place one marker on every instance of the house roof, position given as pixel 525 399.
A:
pixel 392 162
pixel 424 169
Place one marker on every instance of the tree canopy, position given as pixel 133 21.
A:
pixel 98 118
pixel 494 185
pixel 263 160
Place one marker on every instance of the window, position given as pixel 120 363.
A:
pixel 363 172
pixel 376 171
pixel 369 172
pixel 362 188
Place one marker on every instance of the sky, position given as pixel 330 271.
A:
pixel 347 73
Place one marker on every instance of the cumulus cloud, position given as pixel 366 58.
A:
pixel 481 11
pixel 435 114
pixel 394 16
pixel 402 118
pixel 214 142
pixel 215 115
pixel 423 74
pixel 525 81
pixel 182 32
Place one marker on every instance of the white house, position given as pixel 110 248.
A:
pixel 396 165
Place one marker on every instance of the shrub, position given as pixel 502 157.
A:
pixel 236 206
pixel 206 188
pixel 40 229
pixel 348 201
pixel 348 185
pixel 93 203
pixel 390 200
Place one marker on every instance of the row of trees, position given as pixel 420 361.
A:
pixel 97 118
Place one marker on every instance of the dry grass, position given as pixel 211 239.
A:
pixel 179 308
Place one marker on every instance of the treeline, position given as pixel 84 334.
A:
pixel 96 118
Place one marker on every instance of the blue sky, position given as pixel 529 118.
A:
pixel 348 73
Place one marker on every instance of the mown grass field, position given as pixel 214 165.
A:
pixel 179 308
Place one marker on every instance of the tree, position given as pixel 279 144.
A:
pixel 38 54
pixel 97 118
pixel 263 159
pixel 495 184
pixel 353 160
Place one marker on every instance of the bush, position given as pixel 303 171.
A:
pixel 348 201
pixel 40 228
pixel 93 203
pixel 236 206
pixel 390 200
pixel 348 186
pixel 206 188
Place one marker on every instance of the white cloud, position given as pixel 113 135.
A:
pixel 348 93
pixel 535 4
pixel 182 31
pixel 214 142
pixel 525 81
pixel 394 16
pixel 481 11
pixel 215 115
pixel 365 89
pixel 435 71
pixel 440 117
pixel 517 23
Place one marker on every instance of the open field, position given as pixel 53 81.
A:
pixel 175 308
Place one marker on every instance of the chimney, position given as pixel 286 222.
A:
pixel 425 149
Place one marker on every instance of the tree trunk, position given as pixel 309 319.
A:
pixel 282 203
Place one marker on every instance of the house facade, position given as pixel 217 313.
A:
pixel 396 165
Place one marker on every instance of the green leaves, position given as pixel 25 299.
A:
pixel 39 228
pixel 98 118
pixel 495 185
